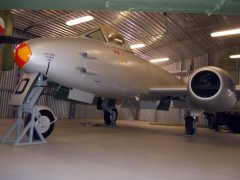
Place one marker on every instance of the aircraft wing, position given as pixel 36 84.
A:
pixel 180 73
pixel 177 91
pixel 169 91
pixel 166 94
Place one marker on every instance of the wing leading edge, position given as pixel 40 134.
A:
pixel 177 90
pixel 169 91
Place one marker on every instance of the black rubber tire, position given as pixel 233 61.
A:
pixel 107 117
pixel 189 125
pixel 48 132
pixel 236 124
pixel 211 122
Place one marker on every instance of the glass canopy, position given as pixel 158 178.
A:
pixel 107 34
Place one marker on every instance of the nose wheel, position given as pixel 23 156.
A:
pixel 110 117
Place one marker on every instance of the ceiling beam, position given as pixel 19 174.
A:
pixel 188 6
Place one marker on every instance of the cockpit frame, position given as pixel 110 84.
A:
pixel 110 36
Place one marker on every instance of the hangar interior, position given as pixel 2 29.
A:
pixel 135 149
pixel 183 37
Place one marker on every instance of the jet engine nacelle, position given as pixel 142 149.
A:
pixel 212 89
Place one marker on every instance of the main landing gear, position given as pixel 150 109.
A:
pixel 109 110
pixel 230 119
pixel 190 123
pixel 110 117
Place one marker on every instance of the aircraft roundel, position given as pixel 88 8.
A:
pixel 2 26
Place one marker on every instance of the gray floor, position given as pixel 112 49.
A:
pixel 134 150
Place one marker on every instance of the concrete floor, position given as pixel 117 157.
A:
pixel 133 150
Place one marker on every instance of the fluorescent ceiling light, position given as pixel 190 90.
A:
pixel 159 60
pixel 235 56
pixel 136 46
pixel 79 20
pixel 226 33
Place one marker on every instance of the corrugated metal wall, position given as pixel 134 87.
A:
pixel 91 112
pixel 59 107
pixel 87 112
pixel 232 66
pixel 221 59
pixel 8 82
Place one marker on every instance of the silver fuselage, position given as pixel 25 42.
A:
pixel 103 69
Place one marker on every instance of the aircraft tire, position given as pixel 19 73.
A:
pixel 211 122
pixel 46 116
pixel 110 118
pixel 236 124
pixel 189 125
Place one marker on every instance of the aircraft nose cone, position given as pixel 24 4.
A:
pixel 22 54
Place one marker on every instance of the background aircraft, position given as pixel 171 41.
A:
pixel 99 67
pixel 6 50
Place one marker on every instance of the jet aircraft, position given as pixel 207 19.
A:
pixel 98 67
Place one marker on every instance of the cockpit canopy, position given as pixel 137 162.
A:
pixel 107 34
pixel 113 36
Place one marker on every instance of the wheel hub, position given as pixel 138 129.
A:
pixel 113 116
pixel 43 123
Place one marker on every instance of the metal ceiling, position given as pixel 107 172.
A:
pixel 174 35
pixel 190 6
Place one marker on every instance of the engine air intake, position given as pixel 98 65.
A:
pixel 205 84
